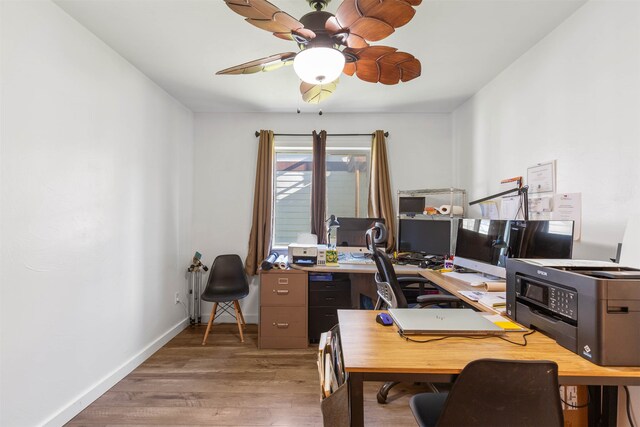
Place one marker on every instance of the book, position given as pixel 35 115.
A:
pixel 473 295
pixel 328 375
pixel 338 364
pixel 494 300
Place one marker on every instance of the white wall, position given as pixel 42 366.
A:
pixel 96 209
pixel 419 148
pixel 574 97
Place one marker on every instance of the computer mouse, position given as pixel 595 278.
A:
pixel 384 319
pixel 424 264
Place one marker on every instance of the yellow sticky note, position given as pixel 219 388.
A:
pixel 506 325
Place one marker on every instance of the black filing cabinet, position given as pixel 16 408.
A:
pixel 328 292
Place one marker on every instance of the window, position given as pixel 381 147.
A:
pixel 348 168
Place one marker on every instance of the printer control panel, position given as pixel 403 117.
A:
pixel 556 299
pixel 563 301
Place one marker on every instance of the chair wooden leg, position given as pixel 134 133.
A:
pixel 213 316
pixel 236 306
pixel 244 324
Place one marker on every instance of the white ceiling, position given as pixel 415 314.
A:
pixel 180 44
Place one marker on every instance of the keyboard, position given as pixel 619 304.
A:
pixel 472 279
pixel 357 261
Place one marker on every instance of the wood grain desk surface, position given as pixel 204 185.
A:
pixel 358 268
pixel 369 347
pixel 452 286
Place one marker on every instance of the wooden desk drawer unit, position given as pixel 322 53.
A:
pixel 283 309
pixel 325 298
pixel 340 285
pixel 283 289
pixel 340 299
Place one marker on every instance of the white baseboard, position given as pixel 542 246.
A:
pixel 92 393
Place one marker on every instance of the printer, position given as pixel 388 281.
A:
pixel 589 307
pixel 307 254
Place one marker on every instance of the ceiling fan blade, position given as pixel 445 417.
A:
pixel 349 68
pixel 314 94
pixel 371 29
pixel 342 36
pixel 383 64
pixel 409 66
pixel 269 17
pixel 347 13
pixel 269 63
pixel 394 12
pixel 372 20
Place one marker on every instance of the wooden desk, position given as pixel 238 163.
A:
pixel 361 276
pixel 452 286
pixel 373 352
pixel 405 270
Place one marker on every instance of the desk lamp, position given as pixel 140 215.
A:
pixel 332 224
pixel 521 190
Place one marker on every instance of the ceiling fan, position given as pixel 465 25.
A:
pixel 331 45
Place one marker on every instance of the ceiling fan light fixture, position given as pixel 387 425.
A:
pixel 319 65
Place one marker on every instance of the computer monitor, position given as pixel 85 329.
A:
pixel 481 245
pixel 541 239
pixel 484 245
pixel 425 236
pixel 411 205
pixel 350 234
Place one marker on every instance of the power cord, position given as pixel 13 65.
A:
pixel 579 406
pixel 629 417
pixel 524 337
pixel 186 310
pixel 473 337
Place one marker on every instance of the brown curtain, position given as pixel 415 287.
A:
pixel 319 186
pixel 380 197
pixel 260 238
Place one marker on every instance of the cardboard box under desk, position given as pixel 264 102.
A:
pixel 577 396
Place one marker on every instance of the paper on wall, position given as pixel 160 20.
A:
pixel 510 208
pixel 541 178
pixel 540 207
pixel 540 204
pixel 539 216
pixel 490 210
pixel 568 206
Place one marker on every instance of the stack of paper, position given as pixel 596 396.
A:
pixel 330 366
pixel 494 300
pixel 479 280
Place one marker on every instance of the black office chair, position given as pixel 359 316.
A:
pixel 226 285
pixel 389 286
pixel 495 393
pixel 390 290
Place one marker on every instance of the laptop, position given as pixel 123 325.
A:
pixel 433 321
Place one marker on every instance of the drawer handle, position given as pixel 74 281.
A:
pixel 329 299
pixel 281 291
pixel 281 325
pixel 283 281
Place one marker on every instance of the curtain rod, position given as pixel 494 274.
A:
pixel 329 134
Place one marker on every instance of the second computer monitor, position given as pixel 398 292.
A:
pixel 426 236
pixel 350 234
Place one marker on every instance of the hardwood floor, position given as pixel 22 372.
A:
pixel 228 383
